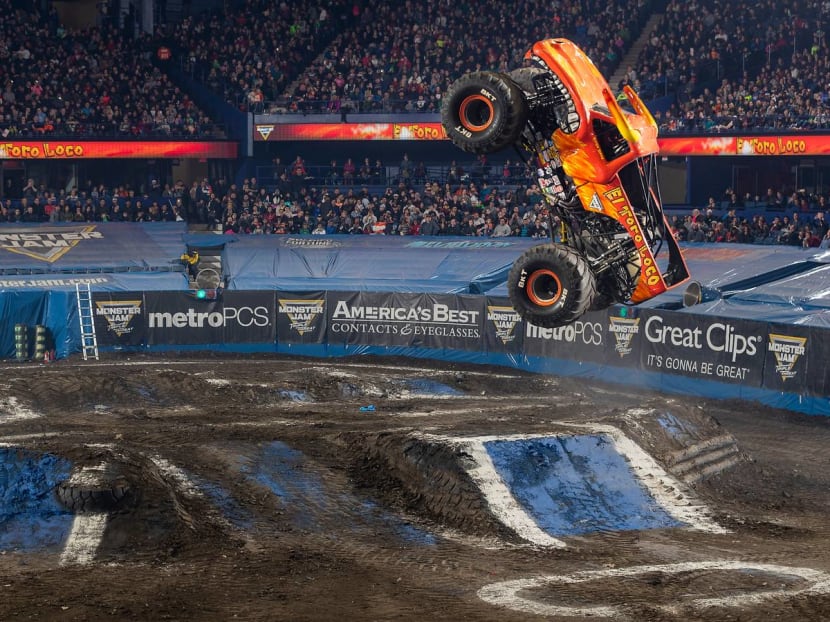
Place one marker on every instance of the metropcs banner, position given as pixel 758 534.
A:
pixel 748 353
pixel 99 149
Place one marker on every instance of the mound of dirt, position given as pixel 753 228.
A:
pixel 263 488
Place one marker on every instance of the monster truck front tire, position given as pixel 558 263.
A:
pixel 483 112
pixel 551 285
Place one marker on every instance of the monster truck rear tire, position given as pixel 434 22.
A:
pixel 483 112
pixel 551 285
pixel 601 302
pixel 524 78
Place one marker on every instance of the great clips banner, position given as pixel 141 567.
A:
pixel 98 149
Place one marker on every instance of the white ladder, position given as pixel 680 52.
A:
pixel 89 342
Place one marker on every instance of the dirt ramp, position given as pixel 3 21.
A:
pixel 423 477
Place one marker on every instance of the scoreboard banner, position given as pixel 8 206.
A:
pixel 750 145
pixel 274 132
pixel 114 149
pixel 719 145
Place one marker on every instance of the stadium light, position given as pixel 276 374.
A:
pixel 206 294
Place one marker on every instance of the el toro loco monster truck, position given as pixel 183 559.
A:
pixel 597 170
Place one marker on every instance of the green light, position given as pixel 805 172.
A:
pixel 623 311
pixel 201 294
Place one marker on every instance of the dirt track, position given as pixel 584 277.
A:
pixel 257 489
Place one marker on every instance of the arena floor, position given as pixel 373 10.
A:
pixel 263 488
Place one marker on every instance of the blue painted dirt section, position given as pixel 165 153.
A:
pixel 31 518
pixel 313 506
pixel 574 485
pixel 239 516
pixel 430 388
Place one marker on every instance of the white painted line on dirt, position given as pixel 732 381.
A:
pixel 265 424
pixel 87 529
pixel 88 476
pixel 419 370
pixel 183 483
pixel 668 491
pixel 220 382
pixel 12 438
pixel 12 410
pixel 84 539
pixel 506 593
pixel 113 363
pixel 503 505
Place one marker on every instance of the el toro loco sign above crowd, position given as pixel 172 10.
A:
pixel 734 351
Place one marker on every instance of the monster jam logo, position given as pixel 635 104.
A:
pixel 505 320
pixel 623 329
pixel 119 314
pixel 47 243
pixel 265 131
pixel 302 313
pixel 787 350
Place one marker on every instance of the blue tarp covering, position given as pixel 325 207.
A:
pixel 732 268
pixel 90 247
pixel 371 263
pixel 778 312
pixel 809 290
pixel 108 282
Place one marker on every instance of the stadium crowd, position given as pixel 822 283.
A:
pixel 495 205
pixel 403 58
pixel 757 65
pixel 737 66
pixel 726 67
pixel 254 51
pixel 338 56
pixel 89 83
pixel 373 55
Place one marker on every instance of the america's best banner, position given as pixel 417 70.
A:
pixel 440 321
pixel 99 149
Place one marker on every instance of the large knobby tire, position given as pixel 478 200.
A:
pixel 104 497
pixel 523 78
pixel 551 285
pixel 483 112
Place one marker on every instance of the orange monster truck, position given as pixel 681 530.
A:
pixel 597 170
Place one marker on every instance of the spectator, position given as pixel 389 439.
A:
pixel 502 229
pixel 429 226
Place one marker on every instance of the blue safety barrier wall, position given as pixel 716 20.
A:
pixel 759 333
pixel 666 350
